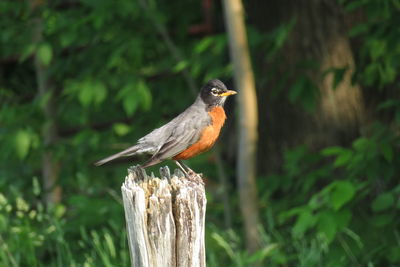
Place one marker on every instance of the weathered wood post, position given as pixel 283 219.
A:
pixel 164 218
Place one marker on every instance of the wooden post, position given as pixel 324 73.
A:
pixel 164 218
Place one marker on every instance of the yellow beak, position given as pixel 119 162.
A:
pixel 229 92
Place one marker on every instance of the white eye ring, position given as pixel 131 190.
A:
pixel 214 91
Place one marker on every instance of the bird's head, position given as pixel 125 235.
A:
pixel 214 93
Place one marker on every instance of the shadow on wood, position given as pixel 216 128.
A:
pixel 164 218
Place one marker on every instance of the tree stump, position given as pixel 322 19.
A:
pixel 164 218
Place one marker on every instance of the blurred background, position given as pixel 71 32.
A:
pixel 81 79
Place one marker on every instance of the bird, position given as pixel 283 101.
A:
pixel 192 132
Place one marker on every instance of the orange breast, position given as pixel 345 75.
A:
pixel 208 137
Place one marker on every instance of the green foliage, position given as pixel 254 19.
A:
pixel 380 52
pixel 304 91
pixel 33 235
pixel 227 244
pixel 114 78
pixel 44 53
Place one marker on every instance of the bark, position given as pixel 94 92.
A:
pixel 248 119
pixel 50 166
pixel 165 219
pixel 319 36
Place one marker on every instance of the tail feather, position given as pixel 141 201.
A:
pixel 125 153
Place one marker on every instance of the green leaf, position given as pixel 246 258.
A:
pixel 327 225
pixel 394 254
pixel 370 73
pixel 45 53
pixel 381 220
pixel 361 144
pixel 383 202
pixel 36 186
pixel 130 98
pixel 263 253
pixel 297 89
pixel 145 95
pixel 333 150
pixel 338 76
pixel 305 221
pixel 85 94
pixel 91 92
pixel 283 32
pixel 59 210
pixel 121 129
pixel 304 91
pixel 180 66
pixel 391 103
pixel 390 71
pixel 99 92
pixel 27 52
pixel 377 48
pixel 387 151
pixel 342 192
pixel 358 29
pixel 22 143
pixel 352 5
pixel 343 218
pixel 344 158
pixel 203 44
pixel 284 216
pixel 223 244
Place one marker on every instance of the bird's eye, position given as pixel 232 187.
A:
pixel 214 91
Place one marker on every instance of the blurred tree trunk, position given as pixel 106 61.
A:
pixel 50 166
pixel 319 37
pixel 248 119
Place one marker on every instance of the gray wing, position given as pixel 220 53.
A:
pixel 179 133
pixel 182 137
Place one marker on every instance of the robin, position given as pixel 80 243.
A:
pixel 190 133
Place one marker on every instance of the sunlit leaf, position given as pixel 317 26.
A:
pixel 91 92
pixel 100 92
pixel 224 244
pixel 130 98
pixel 121 129
pixel 145 94
pixel 22 143
pixel 27 52
pixel 86 94
pixel 304 222
pixel 110 245
pixel 180 66
pixel 343 158
pixel 59 210
pixel 263 253
pixel 36 186
pixel 327 225
pixel 44 53
pixel 342 192
pixel 203 44
pixel 332 150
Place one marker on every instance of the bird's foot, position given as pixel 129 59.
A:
pixel 189 173
pixel 133 168
pixel 194 176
